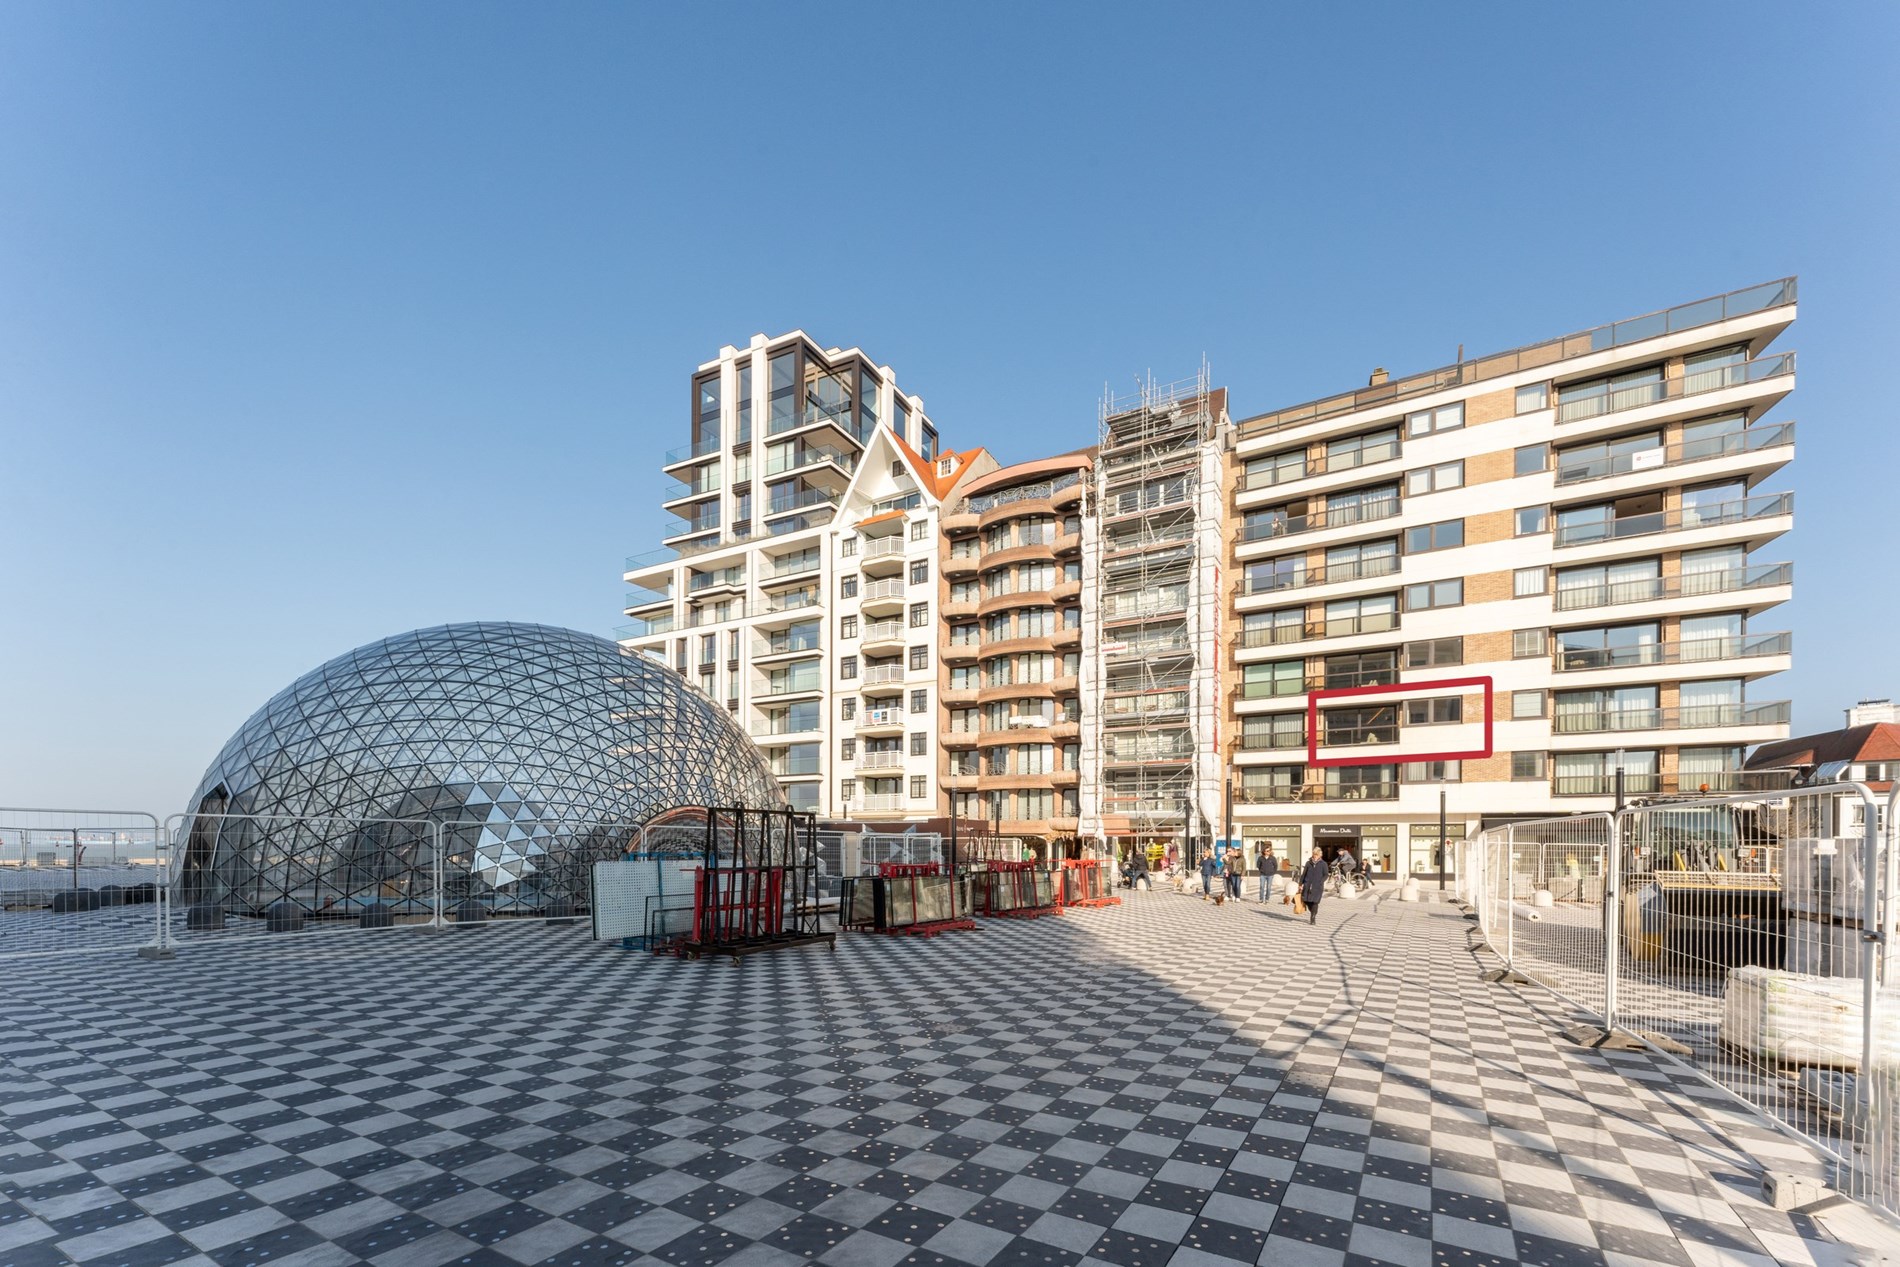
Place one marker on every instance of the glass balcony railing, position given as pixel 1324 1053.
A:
pixel 1574 405
pixel 641 596
pixel 1684 783
pixel 697 449
pixel 1333 627
pixel 724 578
pixel 803 459
pixel 1689 316
pixel 1693 651
pixel 1691 717
pixel 1581 468
pixel 785 503
pixel 1685 518
pixel 1268 529
pixel 1684 585
pixel 1262 580
pixel 646 628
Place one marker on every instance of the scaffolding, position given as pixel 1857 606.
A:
pixel 1156 592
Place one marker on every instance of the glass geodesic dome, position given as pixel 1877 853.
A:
pixel 522 752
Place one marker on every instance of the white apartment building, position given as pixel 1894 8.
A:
pixel 1578 521
pixel 792 448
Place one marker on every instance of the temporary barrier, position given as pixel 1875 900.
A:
pixel 80 881
pixel 757 886
pixel 1084 882
pixel 1016 890
pixel 1747 937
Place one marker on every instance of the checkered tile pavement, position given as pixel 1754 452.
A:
pixel 1160 1082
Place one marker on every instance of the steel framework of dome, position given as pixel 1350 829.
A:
pixel 527 751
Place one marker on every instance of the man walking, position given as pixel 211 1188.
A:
pixel 1269 867
pixel 1313 884
pixel 1236 867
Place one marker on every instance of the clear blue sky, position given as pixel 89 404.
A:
pixel 322 322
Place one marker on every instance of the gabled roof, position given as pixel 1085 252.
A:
pixel 1876 741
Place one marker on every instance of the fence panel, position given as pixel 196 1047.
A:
pixel 76 881
pixel 1554 875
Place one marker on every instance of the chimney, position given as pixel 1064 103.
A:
pixel 1378 376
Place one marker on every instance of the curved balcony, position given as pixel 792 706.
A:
pixel 1040 507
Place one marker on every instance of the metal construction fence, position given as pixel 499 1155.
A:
pixel 1749 938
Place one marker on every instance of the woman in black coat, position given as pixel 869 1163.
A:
pixel 1313 884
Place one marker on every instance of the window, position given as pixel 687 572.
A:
pixel 1530 582
pixel 919 743
pixel 1435 479
pixel 1533 396
pixel 1275 468
pixel 1434 653
pixel 1071 571
pixel 927 447
pixel 1439 536
pixel 1527 705
pixel 920 572
pixel 1434 712
pixel 920 701
pixel 847 626
pixel 1430 594
pixel 847 749
pixel 847 788
pixel 847 668
pixel 919 615
pixel 1428 421
pixel 1531 459
pixel 1432 772
pixel 920 657
pixel 849 708
pixel 919 528
pixel 1265 681
pixel 708 648
pixel 918 786
pixel 1527 765
pixel 848 587
pixel 1532 520
pixel 1527 643
pixel 850 550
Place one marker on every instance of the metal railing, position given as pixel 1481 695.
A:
pixel 1612 399
pixel 1693 651
pixel 1681 585
pixel 1022 492
pixel 1683 518
pixel 1306 576
pixel 1747 939
pixel 1301 631
pixel 1335 517
pixel 1573 469
pixel 1689 316
pixel 1692 717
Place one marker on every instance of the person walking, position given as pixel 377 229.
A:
pixel 1269 867
pixel 1236 867
pixel 1313 884
pixel 1210 866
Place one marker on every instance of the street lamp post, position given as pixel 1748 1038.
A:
pixel 1441 837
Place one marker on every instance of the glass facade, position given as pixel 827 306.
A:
pixel 528 751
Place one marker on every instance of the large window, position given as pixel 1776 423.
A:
pixel 1439 536
pixel 742 407
pixel 1435 479
pixel 1428 421
pixel 1430 594
pixel 1264 681
pixel 782 403
pixel 706 414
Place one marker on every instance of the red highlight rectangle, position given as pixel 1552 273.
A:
pixel 1397 688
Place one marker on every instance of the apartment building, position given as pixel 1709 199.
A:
pixel 1014 687
pixel 809 488
pixel 1571 532
pixel 1151 751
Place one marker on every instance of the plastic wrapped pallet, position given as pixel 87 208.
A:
pixel 1801 1020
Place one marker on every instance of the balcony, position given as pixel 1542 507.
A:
pixel 960 650
pixel 1598 467
pixel 881 721
pixel 723 578
pixel 674 491
pixel 1576 408
pixel 778 728
pixel 882 596
pixel 706 520
pixel 1273 741
pixel 1336 517
pixel 1553 352
pixel 882 636
pixel 641 596
pixel 1306 577
pixel 766 648
pixel 1693 717
pixel 883 803
pixel 1685 783
pixel 1302 631
pixel 1307 468
pixel 880 760
pixel 1683 585
pixel 957 738
pixel 1151 706
pixel 814 415
pixel 957 607
pixel 883 674
pixel 1147 649
pixel 1162 603
pixel 805 459
pixel 645 628
pixel 794 565
pixel 885 555
pixel 960 562
pixel 1682 519
pixel 961 694
pixel 687 453
pixel 784 687
pixel 1695 651
pixel 786 503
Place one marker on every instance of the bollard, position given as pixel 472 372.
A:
pixel 204 917
pixel 67 901
pixel 378 915
pixel 471 912
pixel 285 917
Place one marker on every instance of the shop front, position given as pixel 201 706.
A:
pixel 1373 843
pixel 1421 855
pixel 1285 839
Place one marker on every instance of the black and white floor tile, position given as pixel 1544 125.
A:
pixel 1162 1082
